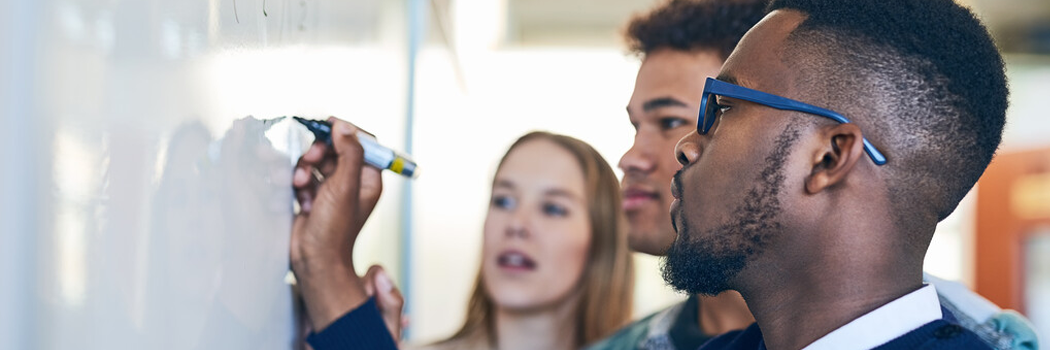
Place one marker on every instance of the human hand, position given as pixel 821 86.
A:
pixel 388 298
pixel 336 194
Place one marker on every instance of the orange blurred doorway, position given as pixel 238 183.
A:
pixel 1013 234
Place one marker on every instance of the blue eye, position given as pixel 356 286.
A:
pixel 554 210
pixel 503 202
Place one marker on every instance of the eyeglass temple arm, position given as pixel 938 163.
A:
pixel 734 91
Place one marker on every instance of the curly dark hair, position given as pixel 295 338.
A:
pixel 688 25
pixel 923 77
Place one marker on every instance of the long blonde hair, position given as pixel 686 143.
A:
pixel 607 283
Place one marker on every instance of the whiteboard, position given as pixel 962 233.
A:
pixel 151 205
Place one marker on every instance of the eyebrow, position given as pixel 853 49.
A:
pixel 557 192
pixel 553 192
pixel 662 102
pixel 728 78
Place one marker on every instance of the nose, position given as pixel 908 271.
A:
pixel 518 225
pixel 639 158
pixel 688 148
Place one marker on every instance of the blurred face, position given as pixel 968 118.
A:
pixel 662 109
pixel 537 231
pixel 741 182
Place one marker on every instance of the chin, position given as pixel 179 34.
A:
pixel 524 299
pixel 520 302
pixel 653 240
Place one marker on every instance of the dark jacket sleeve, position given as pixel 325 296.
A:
pixel 361 328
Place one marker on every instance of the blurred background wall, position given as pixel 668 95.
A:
pixel 141 207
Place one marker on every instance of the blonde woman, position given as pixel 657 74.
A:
pixel 556 271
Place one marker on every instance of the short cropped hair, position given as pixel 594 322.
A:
pixel 688 25
pixel 923 78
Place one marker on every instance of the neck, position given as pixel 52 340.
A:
pixel 857 270
pixel 723 313
pixel 547 328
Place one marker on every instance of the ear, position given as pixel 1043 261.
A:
pixel 843 146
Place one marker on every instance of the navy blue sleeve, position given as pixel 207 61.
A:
pixel 361 328
pixel 749 338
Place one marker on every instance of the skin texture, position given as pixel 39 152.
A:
pixel 821 250
pixel 538 209
pixel 326 228
pixel 662 110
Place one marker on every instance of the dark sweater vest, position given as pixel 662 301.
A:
pixel 939 334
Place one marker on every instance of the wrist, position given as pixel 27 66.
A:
pixel 329 292
pixel 322 260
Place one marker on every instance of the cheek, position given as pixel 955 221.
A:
pixel 568 244
pixel 494 225
pixel 493 229
pixel 718 184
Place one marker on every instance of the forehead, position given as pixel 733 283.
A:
pixel 757 62
pixel 674 73
pixel 542 165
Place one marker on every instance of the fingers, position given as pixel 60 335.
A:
pixel 392 303
pixel 345 181
pixel 298 229
pixel 316 152
pixel 370 276
pixel 368 197
pixel 388 298
pixel 305 185
pixel 321 157
pixel 312 159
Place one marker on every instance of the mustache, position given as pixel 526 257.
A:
pixel 674 223
pixel 676 180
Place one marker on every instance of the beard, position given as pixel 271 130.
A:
pixel 707 262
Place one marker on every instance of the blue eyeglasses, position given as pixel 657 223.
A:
pixel 708 111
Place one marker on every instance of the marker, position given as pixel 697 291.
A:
pixel 375 154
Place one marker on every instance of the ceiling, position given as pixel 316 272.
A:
pixel 1018 25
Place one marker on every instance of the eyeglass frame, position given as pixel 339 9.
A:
pixel 717 87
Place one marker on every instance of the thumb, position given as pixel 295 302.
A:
pixel 391 303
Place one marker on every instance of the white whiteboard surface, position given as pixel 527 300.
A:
pixel 150 205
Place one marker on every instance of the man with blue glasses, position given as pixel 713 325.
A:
pixel 821 216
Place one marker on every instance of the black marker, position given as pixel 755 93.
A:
pixel 375 154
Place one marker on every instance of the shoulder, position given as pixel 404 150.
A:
pixel 635 334
pixel 999 328
pixel 939 334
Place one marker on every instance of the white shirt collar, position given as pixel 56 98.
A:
pixel 886 323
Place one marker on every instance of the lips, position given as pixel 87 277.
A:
pixel 637 196
pixel 675 207
pixel 676 185
pixel 515 261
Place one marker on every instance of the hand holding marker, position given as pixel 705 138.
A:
pixel 375 154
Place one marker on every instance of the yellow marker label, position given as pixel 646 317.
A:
pixel 397 165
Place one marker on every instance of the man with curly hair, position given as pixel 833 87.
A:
pixel 680 43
